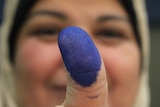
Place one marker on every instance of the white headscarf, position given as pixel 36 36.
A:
pixel 7 90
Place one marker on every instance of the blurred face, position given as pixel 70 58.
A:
pixel 40 72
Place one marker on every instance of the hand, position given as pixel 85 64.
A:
pixel 87 82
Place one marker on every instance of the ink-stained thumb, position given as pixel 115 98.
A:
pixel 87 82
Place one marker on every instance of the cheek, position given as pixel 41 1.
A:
pixel 122 63
pixel 36 59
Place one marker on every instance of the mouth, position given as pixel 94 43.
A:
pixel 57 85
pixel 58 88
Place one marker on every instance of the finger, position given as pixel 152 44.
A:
pixel 87 84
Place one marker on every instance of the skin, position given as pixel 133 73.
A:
pixel 40 71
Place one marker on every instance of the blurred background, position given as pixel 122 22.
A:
pixel 153 7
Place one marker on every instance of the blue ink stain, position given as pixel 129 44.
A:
pixel 80 55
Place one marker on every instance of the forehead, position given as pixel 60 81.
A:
pixel 82 7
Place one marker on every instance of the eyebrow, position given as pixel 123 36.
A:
pixel 48 13
pixel 62 16
pixel 102 19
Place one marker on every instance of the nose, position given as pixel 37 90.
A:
pixel 57 78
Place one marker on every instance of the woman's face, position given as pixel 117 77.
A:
pixel 40 72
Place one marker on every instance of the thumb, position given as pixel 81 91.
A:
pixel 87 83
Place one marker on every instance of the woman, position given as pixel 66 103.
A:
pixel 118 29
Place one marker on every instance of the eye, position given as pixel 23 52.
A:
pixel 110 36
pixel 110 33
pixel 45 32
